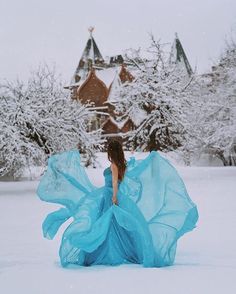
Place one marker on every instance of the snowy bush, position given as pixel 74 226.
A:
pixel 38 119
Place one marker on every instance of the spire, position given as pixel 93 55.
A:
pixel 178 56
pixel 91 56
pixel 91 50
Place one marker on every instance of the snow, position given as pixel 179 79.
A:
pixel 120 124
pixel 138 115
pixel 78 84
pixel 205 261
pixel 107 75
pixel 114 94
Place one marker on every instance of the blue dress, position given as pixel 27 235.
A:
pixel 154 210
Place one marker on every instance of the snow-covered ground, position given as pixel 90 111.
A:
pixel 205 260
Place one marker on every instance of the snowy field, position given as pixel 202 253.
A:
pixel 205 260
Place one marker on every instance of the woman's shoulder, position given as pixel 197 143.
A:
pixel 113 165
pixel 114 168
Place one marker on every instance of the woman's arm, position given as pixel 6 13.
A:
pixel 114 171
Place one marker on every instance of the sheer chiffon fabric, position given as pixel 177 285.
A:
pixel 154 210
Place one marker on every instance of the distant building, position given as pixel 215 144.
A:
pixel 95 79
pixel 92 83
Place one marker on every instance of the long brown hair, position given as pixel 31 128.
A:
pixel 116 155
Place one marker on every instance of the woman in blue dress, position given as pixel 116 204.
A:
pixel 136 217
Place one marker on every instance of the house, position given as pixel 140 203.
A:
pixel 92 84
pixel 95 79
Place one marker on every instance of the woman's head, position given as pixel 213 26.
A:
pixel 116 155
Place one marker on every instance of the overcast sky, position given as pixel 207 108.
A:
pixel 56 31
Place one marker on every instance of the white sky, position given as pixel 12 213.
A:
pixel 55 31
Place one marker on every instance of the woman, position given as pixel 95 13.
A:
pixel 118 166
pixel 136 217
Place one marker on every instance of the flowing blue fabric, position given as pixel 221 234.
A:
pixel 154 210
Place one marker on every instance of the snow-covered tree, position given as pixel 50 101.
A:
pixel 38 119
pixel 157 101
pixel 221 136
pixel 213 120
pixel 174 110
